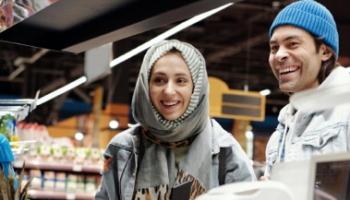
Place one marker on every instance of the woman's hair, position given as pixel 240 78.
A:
pixel 171 51
pixel 326 66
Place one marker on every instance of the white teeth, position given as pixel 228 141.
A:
pixel 284 70
pixel 288 69
pixel 169 103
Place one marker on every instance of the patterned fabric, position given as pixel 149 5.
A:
pixel 160 164
pixel 195 63
pixel 146 134
pixel 143 110
pixel 163 192
pixel 123 173
pixel 196 188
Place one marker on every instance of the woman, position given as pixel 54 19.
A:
pixel 176 149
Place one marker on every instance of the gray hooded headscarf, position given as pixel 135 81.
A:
pixel 158 163
pixel 145 113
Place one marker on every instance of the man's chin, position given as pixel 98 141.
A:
pixel 288 86
pixel 287 90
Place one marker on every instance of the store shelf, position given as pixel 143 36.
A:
pixel 41 194
pixel 60 167
pixel 19 108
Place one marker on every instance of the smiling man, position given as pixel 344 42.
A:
pixel 304 48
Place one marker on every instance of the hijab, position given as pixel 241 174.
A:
pixel 158 164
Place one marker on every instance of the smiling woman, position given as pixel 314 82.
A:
pixel 176 151
pixel 171 85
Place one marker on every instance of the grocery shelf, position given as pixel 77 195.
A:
pixel 61 167
pixel 43 194
pixel 19 108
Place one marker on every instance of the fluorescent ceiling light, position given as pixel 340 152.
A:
pixel 265 92
pixel 166 34
pixel 62 90
pixel 135 51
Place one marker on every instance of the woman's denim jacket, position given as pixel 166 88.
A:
pixel 123 153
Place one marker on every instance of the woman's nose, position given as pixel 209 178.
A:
pixel 169 88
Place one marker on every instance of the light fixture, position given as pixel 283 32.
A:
pixel 135 51
pixel 113 124
pixel 249 135
pixel 79 136
pixel 265 92
pixel 166 34
pixel 62 90
pixel 250 143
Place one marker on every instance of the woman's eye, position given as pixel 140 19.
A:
pixel 159 80
pixel 182 80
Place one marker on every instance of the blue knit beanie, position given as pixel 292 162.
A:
pixel 312 17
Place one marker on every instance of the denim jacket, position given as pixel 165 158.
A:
pixel 300 135
pixel 123 154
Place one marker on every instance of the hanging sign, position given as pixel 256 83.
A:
pixel 235 104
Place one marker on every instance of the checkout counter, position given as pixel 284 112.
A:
pixel 323 177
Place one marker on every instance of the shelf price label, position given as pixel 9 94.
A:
pixel 77 168
pixel 70 196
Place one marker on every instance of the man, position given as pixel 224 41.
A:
pixel 304 47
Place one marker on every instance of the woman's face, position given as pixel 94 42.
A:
pixel 171 86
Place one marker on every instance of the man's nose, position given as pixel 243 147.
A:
pixel 281 54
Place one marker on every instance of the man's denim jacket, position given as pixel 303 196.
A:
pixel 308 134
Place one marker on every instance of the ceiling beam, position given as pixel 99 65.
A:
pixel 79 92
pixel 237 48
pixel 53 85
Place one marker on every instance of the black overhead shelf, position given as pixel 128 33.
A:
pixel 80 25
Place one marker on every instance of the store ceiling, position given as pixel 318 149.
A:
pixel 234 43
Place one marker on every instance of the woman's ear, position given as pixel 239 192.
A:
pixel 325 52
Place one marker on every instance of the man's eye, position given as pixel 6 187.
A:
pixel 273 49
pixel 293 44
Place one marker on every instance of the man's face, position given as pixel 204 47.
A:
pixel 294 60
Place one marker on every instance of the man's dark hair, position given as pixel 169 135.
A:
pixel 326 66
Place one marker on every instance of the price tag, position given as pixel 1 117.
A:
pixel 70 196
pixel 77 168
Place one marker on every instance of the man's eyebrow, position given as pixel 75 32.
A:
pixel 273 42
pixel 291 37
